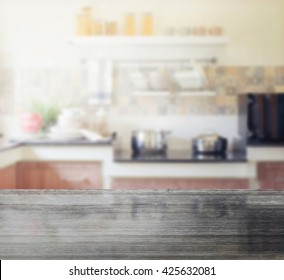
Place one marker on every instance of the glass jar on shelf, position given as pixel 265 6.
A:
pixel 129 24
pixel 111 28
pixel 97 27
pixel 147 24
pixel 84 22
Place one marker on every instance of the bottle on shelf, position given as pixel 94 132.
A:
pixel 111 28
pixel 97 27
pixel 147 24
pixel 129 24
pixel 84 22
pixel 215 31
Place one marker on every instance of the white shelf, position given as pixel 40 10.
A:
pixel 149 40
pixel 143 48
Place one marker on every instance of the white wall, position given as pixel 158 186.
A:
pixel 35 32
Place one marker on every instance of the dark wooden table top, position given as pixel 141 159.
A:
pixel 166 224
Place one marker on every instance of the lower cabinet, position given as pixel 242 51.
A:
pixel 271 175
pixel 8 178
pixel 180 183
pixel 59 175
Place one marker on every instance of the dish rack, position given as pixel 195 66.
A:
pixel 163 78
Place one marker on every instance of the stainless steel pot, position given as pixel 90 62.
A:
pixel 209 144
pixel 149 141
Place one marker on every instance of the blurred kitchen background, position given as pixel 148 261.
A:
pixel 135 86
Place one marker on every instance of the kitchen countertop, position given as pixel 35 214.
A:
pixel 51 142
pixel 4 146
pixel 176 167
pixel 165 224
pixel 7 145
pixel 183 156
pixel 120 164
pixel 265 144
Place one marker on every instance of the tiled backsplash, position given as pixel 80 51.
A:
pixel 69 86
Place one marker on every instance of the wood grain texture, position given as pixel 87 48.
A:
pixel 161 224
pixel 59 175
pixel 271 175
pixel 8 177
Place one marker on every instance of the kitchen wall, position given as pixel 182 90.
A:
pixel 36 32
pixel 36 60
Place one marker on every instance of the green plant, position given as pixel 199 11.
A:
pixel 48 112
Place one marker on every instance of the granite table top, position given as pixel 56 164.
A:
pixel 160 224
